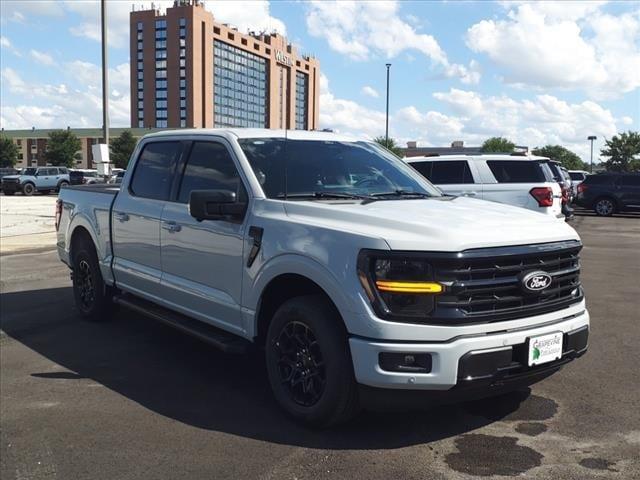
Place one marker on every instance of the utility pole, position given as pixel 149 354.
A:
pixel 591 138
pixel 386 131
pixel 105 74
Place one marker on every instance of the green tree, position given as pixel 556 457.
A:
pixel 121 149
pixel 497 145
pixel 390 145
pixel 62 148
pixel 566 157
pixel 8 152
pixel 623 151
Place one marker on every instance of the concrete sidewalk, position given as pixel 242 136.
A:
pixel 27 223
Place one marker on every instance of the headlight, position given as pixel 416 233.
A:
pixel 399 287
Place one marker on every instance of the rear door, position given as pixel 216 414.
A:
pixel 46 178
pixel 136 218
pixel 454 177
pixel 202 261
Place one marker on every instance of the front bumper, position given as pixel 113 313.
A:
pixel 462 360
pixel 11 187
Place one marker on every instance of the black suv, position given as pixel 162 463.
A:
pixel 608 193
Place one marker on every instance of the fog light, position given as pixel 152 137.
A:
pixel 405 362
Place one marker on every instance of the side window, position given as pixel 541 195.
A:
pixel 630 181
pixel 210 167
pixel 155 169
pixel 423 168
pixel 451 172
pixel 516 171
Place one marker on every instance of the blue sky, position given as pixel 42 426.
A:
pixel 538 73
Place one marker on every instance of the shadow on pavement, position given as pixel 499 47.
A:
pixel 581 212
pixel 183 379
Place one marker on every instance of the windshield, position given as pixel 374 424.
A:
pixel 325 168
pixel 29 171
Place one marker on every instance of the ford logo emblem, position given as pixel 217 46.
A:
pixel 536 281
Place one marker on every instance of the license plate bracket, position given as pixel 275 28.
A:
pixel 544 348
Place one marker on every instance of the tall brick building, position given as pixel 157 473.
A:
pixel 187 70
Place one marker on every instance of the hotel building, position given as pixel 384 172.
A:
pixel 187 70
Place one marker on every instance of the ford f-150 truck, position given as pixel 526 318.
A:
pixel 357 277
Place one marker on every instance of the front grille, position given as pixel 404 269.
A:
pixel 484 285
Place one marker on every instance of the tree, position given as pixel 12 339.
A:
pixel 8 152
pixel 121 149
pixel 566 157
pixel 497 145
pixel 623 151
pixel 390 145
pixel 62 148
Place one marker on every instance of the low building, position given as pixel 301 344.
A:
pixel 32 144
pixel 457 148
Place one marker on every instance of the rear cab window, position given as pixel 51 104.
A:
pixel 599 180
pixel 520 171
pixel 576 176
pixel 155 170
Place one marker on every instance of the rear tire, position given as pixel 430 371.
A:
pixel 63 184
pixel 92 297
pixel 309 362
pixel 604 207
pixel 28 189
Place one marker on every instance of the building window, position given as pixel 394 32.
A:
pixel 139 46
pixel 183 62
pixel 140 85
pixel 139 35
pixel 161 104
pixel 140 65
pixel 160 64
pixel 161 44
pixel 161 84
pixel 161 124
pixel 161 54
pixel 183 72
pixel 183 52
pixel 182 22
pixel 183 103
pixel 183 114
pixel 139 26
pixel 183 32
pixel 183 42
pixel 161 114
pixel 183 123
pixel 20 156
pixel 240 87
pixel 161 94
pixel 140 104
pixel 140 95
pixel 183 83
pixel 140 114
pixel 183 93
pixel 139 55
pixel 161 24
pixel 140 77
pixel 161 34
pixel 302 89
pixel 140 124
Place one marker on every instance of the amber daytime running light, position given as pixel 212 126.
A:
pixel 408 287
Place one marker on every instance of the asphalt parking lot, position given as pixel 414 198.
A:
pixel 133 399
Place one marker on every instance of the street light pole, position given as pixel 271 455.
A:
pixel 386 131
pixel 591 138
pixel 105 74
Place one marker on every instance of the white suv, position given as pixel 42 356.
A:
pixel 519 180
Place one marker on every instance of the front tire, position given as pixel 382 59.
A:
pixel 28 189
pixel 92 297
pixel 604 207
pixel 309 362
pixel 63 184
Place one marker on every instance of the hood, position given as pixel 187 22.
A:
pixel 11 177
pixel 438 224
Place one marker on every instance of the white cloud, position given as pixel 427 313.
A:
pixel 361 30
pixel 369 91
pixel 6 44
pixel 52 106
pixel 568 45
pixel 41 57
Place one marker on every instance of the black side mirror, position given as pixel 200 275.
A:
pixel 215 205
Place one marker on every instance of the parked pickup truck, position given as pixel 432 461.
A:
pixel 358 278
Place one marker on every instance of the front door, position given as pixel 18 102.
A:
pixel 136 219
pixel 628 189
pixel 202 261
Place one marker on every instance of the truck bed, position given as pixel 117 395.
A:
pixel 108 188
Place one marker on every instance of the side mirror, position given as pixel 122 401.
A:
pixel 215 205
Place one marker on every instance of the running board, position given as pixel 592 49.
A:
pixel 224 341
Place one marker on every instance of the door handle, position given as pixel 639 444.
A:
pixel 469 194
pixel 171 227
pixel 121 216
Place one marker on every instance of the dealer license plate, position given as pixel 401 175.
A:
pixel 545 348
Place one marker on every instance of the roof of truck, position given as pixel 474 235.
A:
pixel 476 156
pixel 257 133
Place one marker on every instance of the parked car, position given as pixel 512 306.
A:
pixel 561 176
pixel 356 276
pixel 36 179
pixel 84 177
pixel 522 181
pixel 608 193
pixel 577 177
pixel 7 171
pixel 117 177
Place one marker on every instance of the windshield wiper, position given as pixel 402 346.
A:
pixel 325 195
pixel 401 193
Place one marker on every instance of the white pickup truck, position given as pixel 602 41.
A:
pixel 358 278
